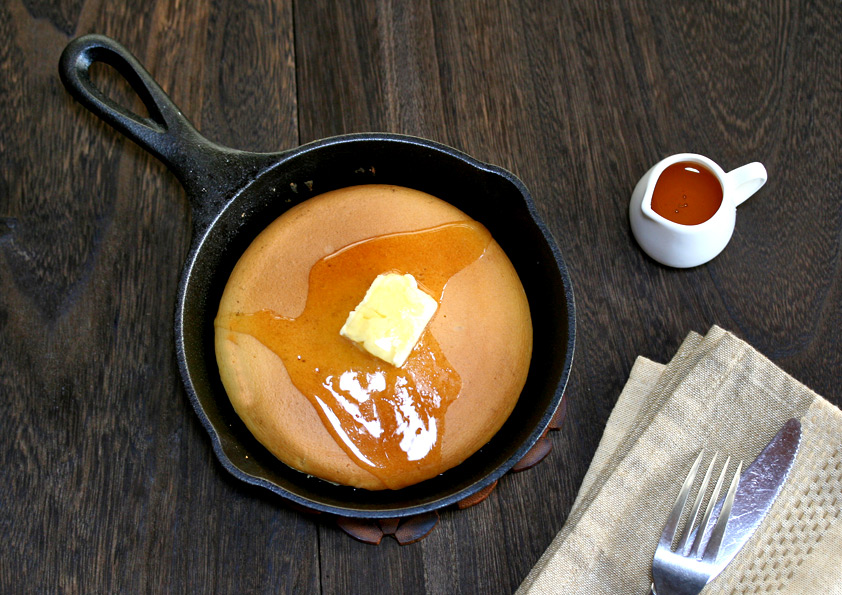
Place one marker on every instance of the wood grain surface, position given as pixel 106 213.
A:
pixel 107 480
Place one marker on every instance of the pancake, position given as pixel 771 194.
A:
pixel 280 305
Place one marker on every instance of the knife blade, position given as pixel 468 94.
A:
pixel 759 486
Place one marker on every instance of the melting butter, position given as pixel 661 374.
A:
pixel 391 317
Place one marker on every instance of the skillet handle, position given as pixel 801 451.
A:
pixel 209 172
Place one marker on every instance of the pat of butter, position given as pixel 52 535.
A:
pixel 391 318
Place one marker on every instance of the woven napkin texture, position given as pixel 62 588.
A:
pixel 720 394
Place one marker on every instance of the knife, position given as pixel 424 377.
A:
pixel 759 486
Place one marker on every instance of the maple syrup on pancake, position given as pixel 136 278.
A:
pixel 389 420
pixel 687 193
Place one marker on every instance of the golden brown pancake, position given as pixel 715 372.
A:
pixel 481 337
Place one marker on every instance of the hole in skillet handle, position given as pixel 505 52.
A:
pixel 231 208
pixel 210 173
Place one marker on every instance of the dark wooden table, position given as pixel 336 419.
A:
pixel 107 479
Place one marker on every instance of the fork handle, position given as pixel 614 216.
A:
pixel 652 589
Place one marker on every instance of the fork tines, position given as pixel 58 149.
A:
pixel 710 550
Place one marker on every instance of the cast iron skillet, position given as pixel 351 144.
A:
pixel 235 194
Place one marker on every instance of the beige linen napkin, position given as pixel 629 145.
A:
pixel 721 394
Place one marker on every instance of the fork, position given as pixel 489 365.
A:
pixel 692 565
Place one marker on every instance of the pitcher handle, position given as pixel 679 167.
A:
pixel 747 180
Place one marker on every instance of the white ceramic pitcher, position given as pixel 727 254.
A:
pixel 679 245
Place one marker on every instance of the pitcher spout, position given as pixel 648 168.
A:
pixel 642 196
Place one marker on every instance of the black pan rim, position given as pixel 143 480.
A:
pixel 385 512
